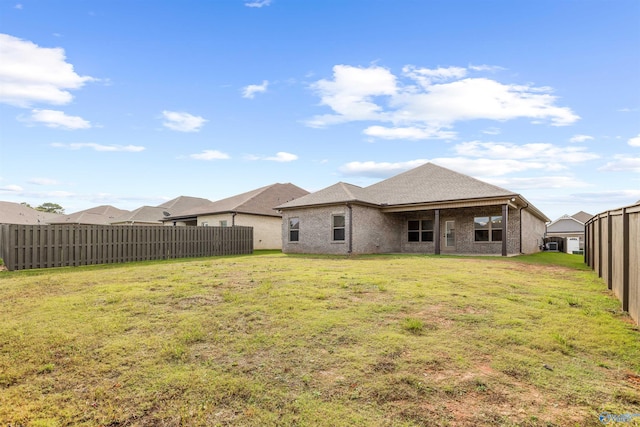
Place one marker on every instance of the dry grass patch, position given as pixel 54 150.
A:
pixel 271 339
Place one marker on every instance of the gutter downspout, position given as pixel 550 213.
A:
pixel 350 228
pixel 233 218
pixel 521 208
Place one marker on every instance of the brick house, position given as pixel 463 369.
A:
pixel 429 209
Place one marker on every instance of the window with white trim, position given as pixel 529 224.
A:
pixel 487 228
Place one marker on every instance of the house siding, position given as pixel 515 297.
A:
pixel 266 229
pixel 533 230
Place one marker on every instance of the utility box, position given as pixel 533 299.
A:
pixel 573 244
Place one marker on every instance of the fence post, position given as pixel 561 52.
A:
pixel 626 268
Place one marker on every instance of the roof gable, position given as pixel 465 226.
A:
pixel 565 224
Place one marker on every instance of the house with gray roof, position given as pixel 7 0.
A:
pixel 428 209
pixel 144 215
pixel 100 215
pixel 17 213
pixel 254 208
pixel 569 230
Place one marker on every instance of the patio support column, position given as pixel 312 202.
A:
pixel 505 228
pixel 436 232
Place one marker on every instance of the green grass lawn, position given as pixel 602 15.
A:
pixel 271 339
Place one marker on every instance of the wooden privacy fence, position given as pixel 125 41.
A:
pixel 612 249
pixel 41 246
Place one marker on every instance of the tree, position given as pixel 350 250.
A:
pixel 51 208
pixel 26 204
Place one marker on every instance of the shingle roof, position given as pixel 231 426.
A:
pixel 260 201
pixel 432 183
pixel 582 216
pixel 337 193
pixel 183 203
pixel 16 213
pixel 424 184
pixel 144 215
pixel 100 215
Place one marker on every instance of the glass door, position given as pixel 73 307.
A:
pixel 450 234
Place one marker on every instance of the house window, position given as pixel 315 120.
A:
pixel 223 223
pixel 294 229
pixel 420 230
pixel 338 227
pixel 488 228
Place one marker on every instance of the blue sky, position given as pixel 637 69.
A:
pixel 133 103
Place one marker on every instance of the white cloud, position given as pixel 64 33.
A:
pixel 251 90
pixel 33 74
pixel 430 99
pixel 542 152
pixel 622 163
pixel 182 122
pixel 282 156
pixel 484 167
pixel 18 6
pixel 529 183
pixel 58 119
pixel 42 181
pixel 613 198
pixel 11 188
pixel 350 94
pixel 99 147
pixel 379 169
pixel 580 138
pixel 412 133
pixel 258 3
pixel 635 141
pixel 473 167
pixel 492 131
pixel 210 155
pixel 484 67
pixel 426 77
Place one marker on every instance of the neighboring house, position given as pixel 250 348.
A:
pixel 154 215
pixel 570 230
pixel 253 208
pixel 428 209
pixel 184 204
pixel 100 215
pixel 16 213
pixel 145 215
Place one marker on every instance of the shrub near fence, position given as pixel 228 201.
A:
pixel 612 249
pixel 41 246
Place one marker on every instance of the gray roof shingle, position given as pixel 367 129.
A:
pixel 100 215
pixel 260 201
pixel 424 184
pixel 16 213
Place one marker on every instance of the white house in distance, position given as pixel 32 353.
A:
pixel 253 209
pixel 571 229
